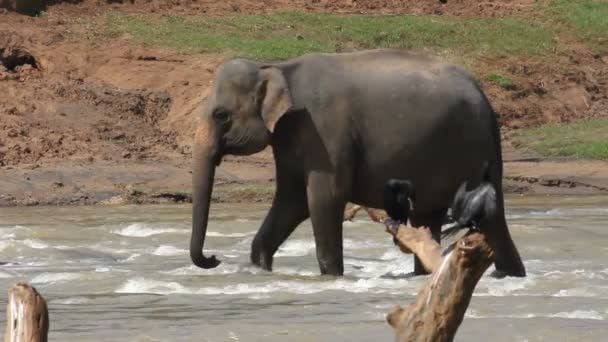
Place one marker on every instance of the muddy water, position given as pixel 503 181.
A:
pixel 123 274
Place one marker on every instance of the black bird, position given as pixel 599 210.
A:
pixel 399 197
pixel 470 207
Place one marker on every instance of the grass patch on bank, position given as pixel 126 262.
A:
pixel 583 139
pixel 289 34
pixel 589 18
pixel 503 81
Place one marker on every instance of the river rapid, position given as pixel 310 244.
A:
pixel 123 273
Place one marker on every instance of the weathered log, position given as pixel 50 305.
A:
pixel 420 242
pixel 441 304
pixel 27 317
pixel 350 213
pixel 377 215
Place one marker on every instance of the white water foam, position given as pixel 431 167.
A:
pixel 295 248
pixel 578 274
pixel 374 285
pixel 47 278
pixel 230 235
pixel 36 244
pixel 195 270
pixel 4 244
pixel 141 285
pixel 131 257
pixel 356 223
pixel 493 287
pixel 576 292
pixel 294 271
pixel 300 247
pixel 361 244
pixel 474 315
pixel 167 250
pixel 142 230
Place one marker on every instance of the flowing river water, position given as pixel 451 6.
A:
pixel 122 273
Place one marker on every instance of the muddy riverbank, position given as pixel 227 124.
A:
pixel 90 116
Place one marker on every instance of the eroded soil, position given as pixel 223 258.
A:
pixel 83 121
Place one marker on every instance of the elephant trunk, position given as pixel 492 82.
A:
pixel 206 156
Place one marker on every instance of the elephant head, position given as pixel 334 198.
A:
pixel 246 102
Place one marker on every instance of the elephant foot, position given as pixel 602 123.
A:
pixel 262 260
pixel 331 268
pixel 507 260
pixel 264 263
pixel 498 274
pixel 501 272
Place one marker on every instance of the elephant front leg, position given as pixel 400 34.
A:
pixel 326 214
pixel 288 210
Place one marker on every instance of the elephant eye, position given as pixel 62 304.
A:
pixel 221 115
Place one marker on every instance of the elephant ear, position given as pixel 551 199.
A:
pixel 273 96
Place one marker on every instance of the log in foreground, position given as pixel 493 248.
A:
pixel 27 317
pixel 441 304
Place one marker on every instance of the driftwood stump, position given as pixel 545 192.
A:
pixel 27 317
pixel 441 304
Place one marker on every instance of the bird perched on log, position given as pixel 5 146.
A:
pixel 470 207
pixel 399 197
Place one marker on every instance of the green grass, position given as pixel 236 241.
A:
pixel 502 80
pixel 289 34
pixel 589 18
pixel 583 139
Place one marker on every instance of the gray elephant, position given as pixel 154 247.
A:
pixel 340 126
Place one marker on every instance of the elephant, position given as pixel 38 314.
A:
pixel 340 125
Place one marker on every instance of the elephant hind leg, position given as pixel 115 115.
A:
pixel 507 259
pixel 289 209
pixel 433 220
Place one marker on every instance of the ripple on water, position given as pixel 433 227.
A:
pixel 576 314
pixel 36 244
pixel 143 230
pixel 49 278
pixel 70 301
pixel 167 250
pixel 580 314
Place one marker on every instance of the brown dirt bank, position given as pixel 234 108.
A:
pixel 84 120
